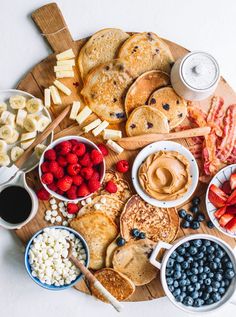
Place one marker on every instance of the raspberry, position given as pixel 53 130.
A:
pixel 53 166
pixel 86 172
pixel 122 166
pixel 74 142
pixel 95 175
pixel 83 190
pixel 79 149
pixel 64 183
pixel 96 157
pixel 71 193
pixel 111 187
pixel 64 147
pixel 93 185
pixel 60 192
pixel 42 194
pixel 44 167
pixel 72 158
pixel 62 161
pixel 59 173
pixel 72 208
pixel 77 180
pixel 53 187
pixel 73 169
pixel 47 178
pixel 86 161
pixel 50 155
pixel 103 149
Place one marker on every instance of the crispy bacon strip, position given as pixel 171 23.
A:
pixel 197 116
pixel 211 162
pixel 216 114
pixel 229 134
pixel 196 150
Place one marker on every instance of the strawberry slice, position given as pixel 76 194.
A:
pixel 232 181
pixel 216 196
pixel 231 209
pixel 232 198
pixel 231 226
pixel 225 219
pixel 219 212
pixel 226 187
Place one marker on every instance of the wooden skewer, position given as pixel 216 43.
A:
pixel 41 137
pixel 137 142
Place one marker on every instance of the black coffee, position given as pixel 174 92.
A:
pixel 15 204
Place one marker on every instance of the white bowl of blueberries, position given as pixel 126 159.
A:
pixel 198 272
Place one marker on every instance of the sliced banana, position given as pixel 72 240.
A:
pixel 28 136
pixel 3 107
pixel 17 102
pixel 26 144
pixel 13 138
pixel 11 119
pixel 43 122
pixel 4 159
pixel 39 149
pixel 4 116
pixel 20 117
pixel 3 146
pixel 34 105
pixel 30 124
pixel 16 152
pixel 6 132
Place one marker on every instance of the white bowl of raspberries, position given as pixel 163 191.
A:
pixel 72 168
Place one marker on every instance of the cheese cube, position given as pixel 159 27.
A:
pixel 55 95
pixel 62 67
pixel 100 128
pixel 83 115
pixel 91 125
pixel 65 55
pixel 62 87
pixel 67 62
pixel 47 97
pixel 74 110
pixel 65 74
pixel 114 146
pixel 112 134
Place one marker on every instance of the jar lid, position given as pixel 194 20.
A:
pixel 200 70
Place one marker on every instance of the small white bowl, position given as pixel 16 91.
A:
pixel 67 138
pixel 165 146
pixel 222 176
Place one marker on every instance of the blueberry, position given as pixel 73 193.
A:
pixel 189 273
pixel 198 302
pixel 203 248
pixel 179 298
pixel 194 209
pixel 189 218
pixel 120 241
pixel 182 213
pixel 176 284
pixel 195 225
pixel 229 265
pixel 181 250
pixel 193 250
pixel 221 290
pixel 210 249
pixel 197 243
pixel 227 282
pixel 197 286
pixel 135 232
pixel 185 265
pixel 194 265
pixel 194 270
pixel 142 235
pixel 177 267
pixel 173 255
pixel 206 242
pixel 213 265
pixel 179 259
pixel 188 301
pixel 209 289
pixel 182 282
pixel 200 217
pixel 194 278
pixel 225 259
pixel 205 296
pixel 186 244
pixel 194 295
pixel 184 275
pixel 210 224
pixel 190 288
pixel 170 263
pixel 216 297
pixel 200 269
pixel 210 257
pixel 199 255
pixel 176 292
pixel 222 284
pixel 187 282
pixel 229 274
pixel 210 275
pixel 183 288
pixel 207 281
pixel 206 269
pixel 177 275
pixel 169 272
pixel 185 224
pixel 209 301
pixel 203 276
pixel 169 281
pixel 190 259
pixel 215 284
pixel 219 253
pixel 217 260
pixel 171 288
pixel 196 201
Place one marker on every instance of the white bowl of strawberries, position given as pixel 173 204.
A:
pixel 72 168
pixel 221 200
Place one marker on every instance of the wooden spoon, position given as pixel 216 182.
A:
pixel 137 142
pixel 92 280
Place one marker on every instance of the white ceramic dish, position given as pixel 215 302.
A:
pixel 229 296
pixel 4 97
pixel 166 146
pixel 79 139
pixel 222 176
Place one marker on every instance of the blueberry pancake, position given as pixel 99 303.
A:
pixel 146 51
pixel 140 91
pixel 170 104
pixel 146 119
pixel 104 90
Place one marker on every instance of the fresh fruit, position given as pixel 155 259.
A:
pixel 122 166
pixel 53 166
pixel 73 169
pixel 95 175
pixel 93 185
pixel 42 194
pixel 83 190
pixel 61 160
pixel 3 146
pixel 39 149
pixel 210 224
pixel 182 213
pixel 185 224
pixel 30 124
pixel 13 138
pixel 72 158
pixel 225 219
pixel 72 192
pixel 34 105
pixel 102 147
pixel 195 225
pixel 16 152
pixel 79 149
pixel 200 217
pixel 72 208
pixel 189 217
pixel 196 201
pixel 217 197
pixel 142 235
pixel 219 212
pixel 64 147
pixel 231 225
pixel 64 183
pixel 226 188
pixel 232 181
pixel 6 132
pixel 194 209
pixel 47 178
pixel 17 102
pixel 45 167
pixel 232 198
pixel 77 180
pixel 50 155
pixel 231 209
pixel 85 160
pixel 96 157
pixel 4 159
pixel 59 173
pixel 135 232
pixel 111 187
pixel 43 122
pixel 120 241
pixel 87 172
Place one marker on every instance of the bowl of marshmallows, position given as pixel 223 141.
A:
pixel 46 257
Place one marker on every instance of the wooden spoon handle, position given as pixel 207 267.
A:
pixel 41 137
pixel 92 279
pixel 137 142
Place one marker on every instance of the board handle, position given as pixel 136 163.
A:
pixel 51 23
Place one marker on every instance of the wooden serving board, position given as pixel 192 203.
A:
pixel 50 20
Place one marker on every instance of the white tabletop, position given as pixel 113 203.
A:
pixel 198 25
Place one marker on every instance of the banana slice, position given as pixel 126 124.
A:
pixel 4 116
pixel 3 107
pixel 3 146
pixel 28 136
pixel 6 132
pixel 11 119
pixel 34 105
pixel 20 117
pixel 43 122
pixel 4 159
pixel 24 145
pixel 16 152
pixel 13 138
pixel 30 124
pixel 39 149
pixel 17 102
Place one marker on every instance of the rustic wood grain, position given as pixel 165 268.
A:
pixel 49 19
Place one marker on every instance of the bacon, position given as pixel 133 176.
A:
pixel 216 114
pixel 229 134
pixel 210 160
pixel 196 150
pixel 232 158
pixel 197 116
